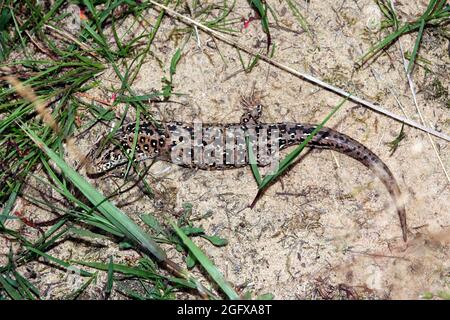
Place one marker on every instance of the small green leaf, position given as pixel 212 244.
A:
pixel 86 233
pixel 215 240
pixel 444 295
pixel 190 261
pixel 266 296
pixel 9 204
pixel 187 207
pixel 427 295
pixel 261 8
pixel 301 20
pixel 152 223
pixel 190 231
pixel 101 113
pixel 247 295
pixel 173 63
pixel 123 245
pixel 206 263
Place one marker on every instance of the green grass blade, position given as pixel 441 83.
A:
pixel 252 161
pixel 301 20
pixel 10 290
pixel 30 290
pixel 173 63
pixel 110 282
pixel 430 8
pixel 9 204
pixel 383 44
pixel 74 295
pixel 215 274
pixel 136 272
pixel 416 46
pixel 86 233
pixel 58 261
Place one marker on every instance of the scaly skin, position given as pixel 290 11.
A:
pixel 173 139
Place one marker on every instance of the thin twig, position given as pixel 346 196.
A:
pixel 377 255
pixel 302 75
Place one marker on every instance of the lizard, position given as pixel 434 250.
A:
pixel 224 146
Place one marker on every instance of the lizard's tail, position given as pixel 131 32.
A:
pixel 329 139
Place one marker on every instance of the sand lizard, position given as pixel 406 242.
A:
pixel 181 143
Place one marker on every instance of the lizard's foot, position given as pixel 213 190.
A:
pixel 252 106
pixel 253 109
pixel 252 116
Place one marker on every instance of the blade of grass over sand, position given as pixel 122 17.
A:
pixel 416 46
pixel 43 244
pixel 27 288
pixel 74 295
pixel 110 211
pixel 150 39
pixel 393 145
pixel 297 14
pixel 138 272
pixel 437 13
pixel 10 290
pixel 57 261
pixel 290 158
pixel 9 204
pixel 413 90
pixel 206 263
pixel 251 64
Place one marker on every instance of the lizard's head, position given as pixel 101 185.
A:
pixel 110 153
pixel 104 158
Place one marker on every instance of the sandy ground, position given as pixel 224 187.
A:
pixel 328 228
